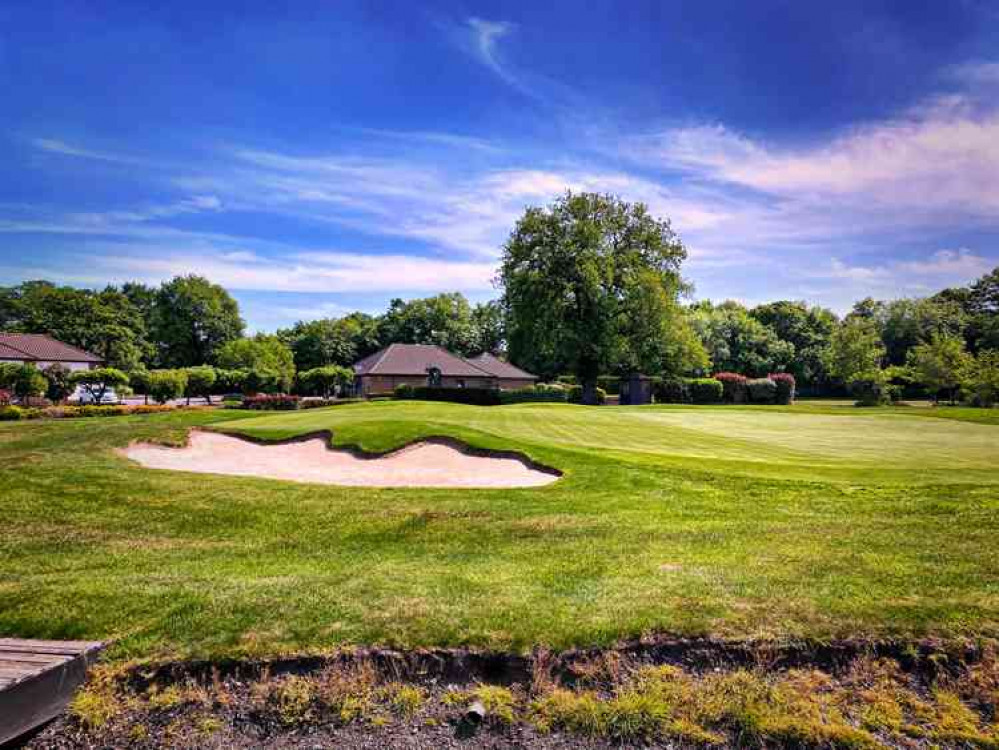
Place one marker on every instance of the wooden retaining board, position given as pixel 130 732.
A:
pixel 38 679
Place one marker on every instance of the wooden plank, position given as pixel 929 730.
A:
pixel 37 681
pixel 32 643
pixel 14 657
pixel 44 648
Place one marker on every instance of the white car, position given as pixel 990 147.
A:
pixel 84 397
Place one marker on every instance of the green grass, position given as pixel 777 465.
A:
pixel 812 521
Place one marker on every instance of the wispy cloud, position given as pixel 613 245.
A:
pixel 453 140
pixel 485 36
pixel 56 146
pixel 317 272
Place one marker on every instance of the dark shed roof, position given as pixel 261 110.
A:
pixel 500 368
pixel 416 359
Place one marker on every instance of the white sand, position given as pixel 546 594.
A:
pixel 420 465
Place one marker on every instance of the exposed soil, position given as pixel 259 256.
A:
pixel 424 464
pixel 661 692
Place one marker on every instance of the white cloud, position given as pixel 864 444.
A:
pixel 485 35
pixel 329 272
pixel 56 146
pixel 941 158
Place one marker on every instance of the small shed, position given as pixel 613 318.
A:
pixel 636 389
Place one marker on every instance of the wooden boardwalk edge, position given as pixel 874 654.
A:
pixel 38 680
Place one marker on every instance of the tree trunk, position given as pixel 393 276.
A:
pixel 590 391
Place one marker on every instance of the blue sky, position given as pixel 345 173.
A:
pixel 327 156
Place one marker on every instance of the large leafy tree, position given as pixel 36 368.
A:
pixel 105 322
pixel 808 329
pixel 445 320
pixel 738 342
pixel 490 324
pixel 939 364
pixel 572 276
pixel 192 320
pixel 855 350
pixel 332 341
pixel 263 356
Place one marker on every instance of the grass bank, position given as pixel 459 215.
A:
pixel 810 522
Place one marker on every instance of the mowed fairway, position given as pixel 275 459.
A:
pixel 798 522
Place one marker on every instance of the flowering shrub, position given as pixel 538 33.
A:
pixel 272 402
pixel 79 412
pixel 785 387
pixel 734 390
pixel 762 390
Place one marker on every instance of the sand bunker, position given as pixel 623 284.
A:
pixel 429 464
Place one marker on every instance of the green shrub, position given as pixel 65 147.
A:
pixel 872 392
pixel 200 382
pixel 272 402
pixel 404 390
pixel 98 382
pixel 229 381
pixel 575 395
pixel 474 396
pixel 59 385
pixel 610 383
pixel 734 390
pixel 11 413
pixel 705 390
pixel 785 387
pixel 671 391
pixel 762 391
pixel 28 382
pixel 542 392
pixel 165 385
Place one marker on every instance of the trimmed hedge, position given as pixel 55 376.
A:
pixel 540 393
pixel 14 413
pixel 575 395
pixel 272 402
pixel 785 387
pixel 671 391
pixel 734 390
pixel 874 392
pixel 473 396
pixel 762 390
pixel 705 390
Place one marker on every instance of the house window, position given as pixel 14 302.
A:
pixel 461 383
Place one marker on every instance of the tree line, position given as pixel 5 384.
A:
pixel 589 286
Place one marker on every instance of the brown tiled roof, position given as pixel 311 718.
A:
pixel 36 346
pixel 500 368
pixel 7 352
pixel 416 359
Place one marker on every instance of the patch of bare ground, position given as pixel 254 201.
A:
pixel 661 693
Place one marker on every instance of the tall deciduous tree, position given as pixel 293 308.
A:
pixel 332 341
pixel 266 357
pixel 808 329
pixel 490 324
pixel 192 320
pixel 445 320
pixel 105 323
pixel 855 350
pixel 939 364
pixel 570 275
pixel 737 342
